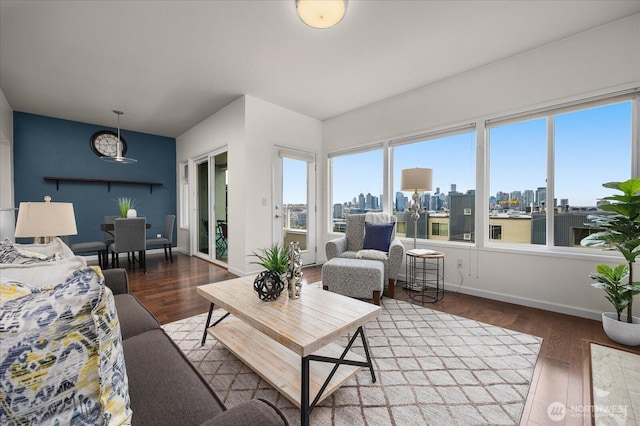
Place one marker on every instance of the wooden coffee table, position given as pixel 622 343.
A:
pixel 278 339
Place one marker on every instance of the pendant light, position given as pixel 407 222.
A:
pixel 118 157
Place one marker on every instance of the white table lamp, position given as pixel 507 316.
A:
pixel 45 221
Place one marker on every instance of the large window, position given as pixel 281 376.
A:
pixel 356 185
pixel 448 209
pixel 543 171
pixel 586 147
pixel 518 176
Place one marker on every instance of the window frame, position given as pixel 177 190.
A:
pixel 482 126
pixel 383 146
pixel 549 113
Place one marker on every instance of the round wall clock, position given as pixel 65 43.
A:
pixel 105 144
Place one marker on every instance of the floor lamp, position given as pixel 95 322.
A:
pixel 416 180
pixel 45 221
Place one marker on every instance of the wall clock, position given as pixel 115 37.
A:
pixel 105 144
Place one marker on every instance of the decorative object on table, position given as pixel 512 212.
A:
pixel 416 180
pixel 126 206
pixel 621 232
pixel 270 283
pixel 321 13
pixel 45 221
pixel 111 146
pixel 294 274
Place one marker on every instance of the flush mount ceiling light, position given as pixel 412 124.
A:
pixel 118 158
pixel 321 13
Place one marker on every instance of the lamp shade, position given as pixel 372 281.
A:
pixel 321 13
pixel 45 220
pixel 417 179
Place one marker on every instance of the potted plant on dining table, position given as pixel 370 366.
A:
pixel 127 207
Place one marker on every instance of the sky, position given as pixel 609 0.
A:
pixel 592 146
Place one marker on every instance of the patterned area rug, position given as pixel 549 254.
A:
pixel 432 368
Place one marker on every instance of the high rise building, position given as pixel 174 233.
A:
pixel 541 196
pixel 338 211
pixel 400 202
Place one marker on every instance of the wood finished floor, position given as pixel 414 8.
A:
pixel 168 291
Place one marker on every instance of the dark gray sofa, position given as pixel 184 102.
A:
pixel 164 387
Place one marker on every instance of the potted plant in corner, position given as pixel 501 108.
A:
pixel 621 232
pixel 270 283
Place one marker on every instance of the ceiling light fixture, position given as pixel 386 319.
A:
pixel 118 158
pixel 321 13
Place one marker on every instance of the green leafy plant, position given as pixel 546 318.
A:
pixel 621 232
pixel 274 258
pixel 610 281
pixel 124 204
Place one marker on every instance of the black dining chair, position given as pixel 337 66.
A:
pixel 130 236
pixel 166 239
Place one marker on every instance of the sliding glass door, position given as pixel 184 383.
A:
pixel 210 237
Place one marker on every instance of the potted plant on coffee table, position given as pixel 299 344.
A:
pixel 270 283
pixel 621 232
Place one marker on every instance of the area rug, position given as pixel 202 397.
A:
pixel 615 381
pixel 432 368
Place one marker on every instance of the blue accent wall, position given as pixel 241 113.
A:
pixel 45 146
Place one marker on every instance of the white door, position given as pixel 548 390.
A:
pixel 294 201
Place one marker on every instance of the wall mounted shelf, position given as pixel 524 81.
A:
pixel 57 180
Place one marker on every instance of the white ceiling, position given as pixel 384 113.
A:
pixel 171 64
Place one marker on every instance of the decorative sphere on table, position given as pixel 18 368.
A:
pixel 268 285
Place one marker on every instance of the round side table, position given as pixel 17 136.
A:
pixel 425 275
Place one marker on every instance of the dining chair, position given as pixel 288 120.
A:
pixel 98 247
pixel 108 235
pixel 166 239
pixel 130 236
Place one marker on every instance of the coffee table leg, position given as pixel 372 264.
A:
pixel 366 351
pixel 206 326
pixel 304 397
pixel 204 335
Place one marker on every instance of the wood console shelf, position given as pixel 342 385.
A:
pixel 57 180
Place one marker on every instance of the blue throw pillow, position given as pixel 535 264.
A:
pixel 377 236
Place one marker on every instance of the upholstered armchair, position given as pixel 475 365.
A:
pixel 351 246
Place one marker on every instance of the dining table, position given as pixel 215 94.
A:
pixel 109 227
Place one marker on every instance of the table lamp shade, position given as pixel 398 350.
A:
pixel 416 179
pixel 45 220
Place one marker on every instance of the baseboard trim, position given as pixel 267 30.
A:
pixel 524 301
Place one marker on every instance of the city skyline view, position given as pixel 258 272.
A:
pixel 592 146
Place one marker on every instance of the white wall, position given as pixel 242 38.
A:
pixel 601 60
pixel 269 125
pixel 224 128
pixel 7 217
pixel 250 128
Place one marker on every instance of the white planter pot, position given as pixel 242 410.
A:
pixel 621 331
pixel 132 213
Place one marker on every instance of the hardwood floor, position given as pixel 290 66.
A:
pixel 168 291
